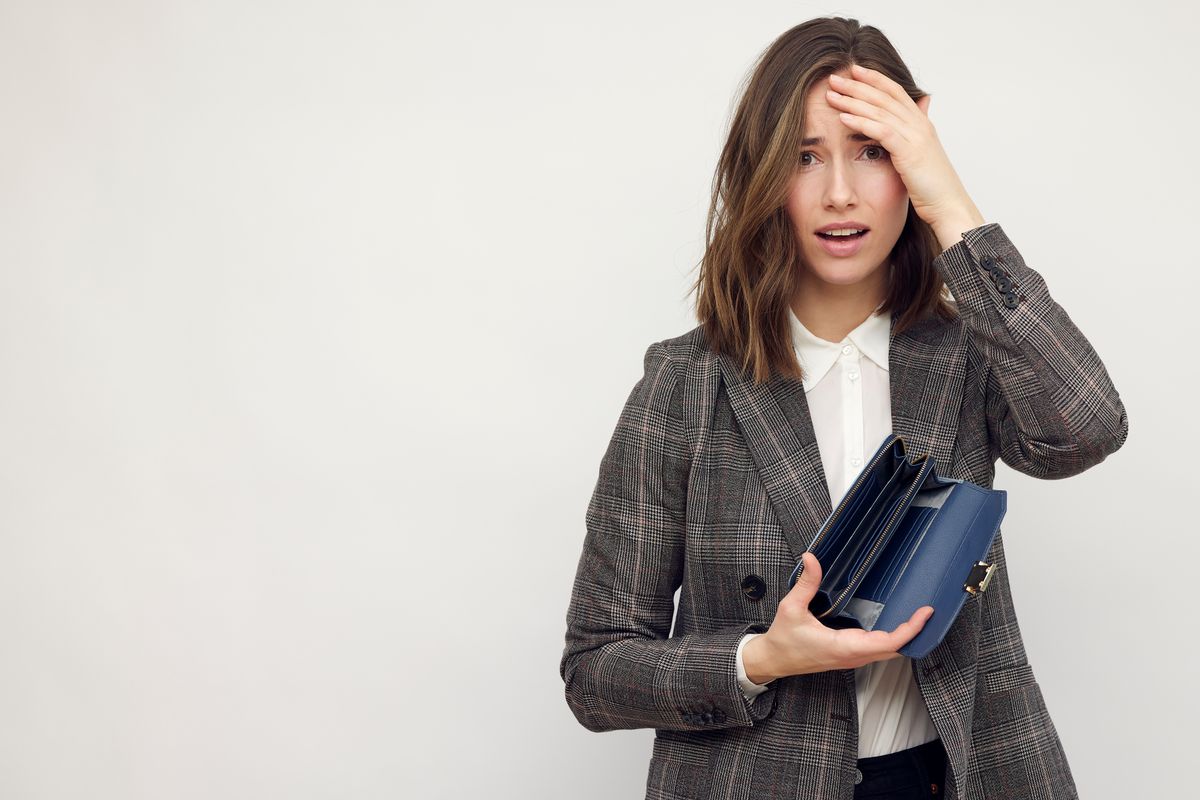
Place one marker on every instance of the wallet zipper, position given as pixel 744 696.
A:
pixel 903 506
pixel 862 476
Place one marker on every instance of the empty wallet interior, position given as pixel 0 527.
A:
pixel 881 579
pixel 860 530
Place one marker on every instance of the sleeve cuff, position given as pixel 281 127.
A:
pixel 749 688
pixel 987 275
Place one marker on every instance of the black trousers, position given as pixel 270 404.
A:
pixel 917 773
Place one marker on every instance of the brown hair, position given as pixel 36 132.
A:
pixel 748 272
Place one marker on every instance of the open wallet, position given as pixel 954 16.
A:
pixel 902 538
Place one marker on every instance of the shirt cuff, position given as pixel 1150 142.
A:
pixel 749 688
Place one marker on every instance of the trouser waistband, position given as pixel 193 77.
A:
pixel 926 760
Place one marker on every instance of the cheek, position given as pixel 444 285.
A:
pixel 801 206
pixel 891 190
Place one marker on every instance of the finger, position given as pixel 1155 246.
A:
pixel 880 82
pixel 906 631
pixel 873 644
pixel 857 645
pixel 862 108
pixel 874 129
pixel 809 579
pixel 870 92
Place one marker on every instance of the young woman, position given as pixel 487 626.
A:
pixel 837 225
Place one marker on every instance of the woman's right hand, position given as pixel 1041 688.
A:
pixel 798 643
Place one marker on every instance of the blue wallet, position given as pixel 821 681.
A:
pixel 902 538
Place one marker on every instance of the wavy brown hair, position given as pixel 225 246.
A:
pixel 748 274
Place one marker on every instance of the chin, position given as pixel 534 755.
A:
pixel 842 277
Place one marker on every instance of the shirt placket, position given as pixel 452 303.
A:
pixel 850 365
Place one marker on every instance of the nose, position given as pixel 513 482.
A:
pixel 839 186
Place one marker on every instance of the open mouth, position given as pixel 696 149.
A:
pixel 831 237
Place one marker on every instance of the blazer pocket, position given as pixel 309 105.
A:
pixel 1006 678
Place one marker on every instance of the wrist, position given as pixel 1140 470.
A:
pixel 950 230
pixel 756 659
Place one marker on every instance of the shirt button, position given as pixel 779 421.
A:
pixel 853 376
pixel 848 349
pixel 855 462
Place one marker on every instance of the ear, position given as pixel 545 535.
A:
pixel 923 104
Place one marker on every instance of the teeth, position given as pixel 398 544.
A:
pixel 842 232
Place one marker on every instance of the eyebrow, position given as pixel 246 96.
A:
pixel 853 137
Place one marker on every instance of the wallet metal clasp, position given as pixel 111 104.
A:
pixel 981 573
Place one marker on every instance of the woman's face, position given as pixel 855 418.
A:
pixel 840 179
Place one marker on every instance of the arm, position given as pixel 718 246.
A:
pixel 619 666
pixel 1052 411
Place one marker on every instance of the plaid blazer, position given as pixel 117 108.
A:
pixel 709 479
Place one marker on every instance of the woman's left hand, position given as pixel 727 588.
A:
pixel 877 106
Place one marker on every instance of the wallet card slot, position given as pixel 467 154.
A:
pixel 844 546
pixel 918 518
pixel 898 552
pixel 879 466
pixel 885 536
pixel 859 544
pixel 834 538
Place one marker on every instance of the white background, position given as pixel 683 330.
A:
pixel 316 318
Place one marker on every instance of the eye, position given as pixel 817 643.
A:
pixel 883 154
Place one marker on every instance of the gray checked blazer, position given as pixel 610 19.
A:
pixel 709 479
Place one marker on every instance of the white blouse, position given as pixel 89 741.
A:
pixel 849 397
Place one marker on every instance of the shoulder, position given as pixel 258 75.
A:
pixel 681 376
pixel 688 360
pixel 685 350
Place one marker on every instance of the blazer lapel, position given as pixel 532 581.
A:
pixel 775 422
pixel 925 367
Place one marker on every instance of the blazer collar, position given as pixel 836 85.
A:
pixel 817 355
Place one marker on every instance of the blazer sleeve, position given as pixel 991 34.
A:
pixel 620 667
pixel 1052 411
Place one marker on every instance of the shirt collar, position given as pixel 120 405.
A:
pixel 817 355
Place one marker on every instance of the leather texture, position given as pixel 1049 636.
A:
pixel 899 539
pixel 710 478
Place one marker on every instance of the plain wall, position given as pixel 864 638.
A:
pixel 316 319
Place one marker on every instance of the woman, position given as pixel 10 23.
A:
pixel 813 345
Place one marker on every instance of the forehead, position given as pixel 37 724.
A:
pixel 821 120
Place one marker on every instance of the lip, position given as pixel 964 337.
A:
pixel 842 248
pixel 834 226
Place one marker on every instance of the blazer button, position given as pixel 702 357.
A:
pixel 1003 284
pixel 754 587
pixel 987 262
pixel 1010 300
pixel 857 775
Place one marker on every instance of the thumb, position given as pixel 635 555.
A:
pixel 809 579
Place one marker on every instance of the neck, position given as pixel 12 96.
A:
pixel 831 312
